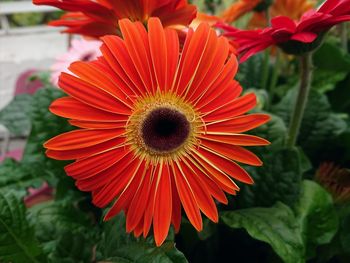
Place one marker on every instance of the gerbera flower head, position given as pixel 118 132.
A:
pixel 159 128
pixel 80 50
pixel 336 180
pixel 293 37
pixel 96 18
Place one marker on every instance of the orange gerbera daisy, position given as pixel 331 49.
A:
pixel 293 9
pixel 238 9
pixel 205 18
pixel 159 128
pixel 96 18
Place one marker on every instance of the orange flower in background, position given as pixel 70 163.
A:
pixel 293 9
pixel 96 18
pixel 238 9
pixel 159 129
pixel 205 18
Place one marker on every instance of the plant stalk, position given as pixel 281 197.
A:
pixel 266 59
pixel 265 69
pixel 344 36
pixel 306 69
pixel 275 74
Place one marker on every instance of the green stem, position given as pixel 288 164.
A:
pixel 266 62
pixel 275 74
pixel 344 37
pixel 265 69
pixel 268 16
pixel 306 69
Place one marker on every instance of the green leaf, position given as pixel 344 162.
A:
pixel 325 80
pixel 72 248
pixel 331 57
pixel 340 244
pixel 314 223
pixel 66 233
pixel 117 246
pixel 252 68
pixel 319 124
pixel 45 125
pixel 15 116
pixel 339 97
pixel 276 226
pixel 274 131
pixel 317 216
pixel 279 179
pixel 17 240
pixel 344 230
pixel 17 177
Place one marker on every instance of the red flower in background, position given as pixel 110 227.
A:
pixel 159 128
pixel 39 195
pixel 291 36
pixel 100 17
pixel 336 180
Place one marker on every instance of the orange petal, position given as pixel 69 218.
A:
pixel 90 166
pixel 91 95
pixel 213 188
pixel 227 166
pixel 237 124
pixel 127 194
pixel 99 125
pixel 162 207
pixel 138 204
pixel 139 229
pixel 158 48
pixel 68 107
pixel 176 205
pixel 149 211
pixel 215 69
pixel 236 139
pixel 223 82
pixel 191 58
pixel 233 108
pixel 123 64
pixel 90 183
pixel 233 152
pixel 187 198
pixel 201 193
pixel 173 47
pixel 118 75
pixel 139 54
pixel 116 185
pixel 94 74
pixel 216 174
pixel 81 139
pixel 86 152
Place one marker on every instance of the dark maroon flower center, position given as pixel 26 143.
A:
pixel 165 129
